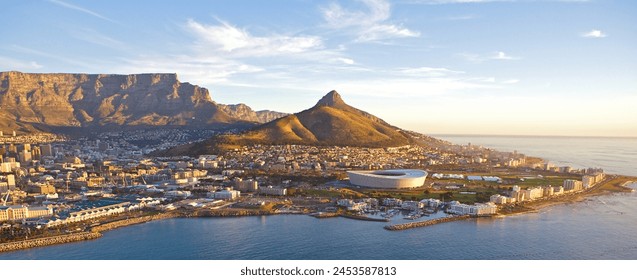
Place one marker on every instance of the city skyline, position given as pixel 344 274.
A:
pixel 433 66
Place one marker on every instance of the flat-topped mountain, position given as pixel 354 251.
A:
pixel 330 122
pixel 32 102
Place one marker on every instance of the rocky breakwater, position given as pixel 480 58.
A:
pixel 46 241
pixel 133 221
pixel 427 222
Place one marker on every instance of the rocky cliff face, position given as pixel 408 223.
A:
pixel 244 112
pixel 83 100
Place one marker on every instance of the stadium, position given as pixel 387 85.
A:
pixel 388 179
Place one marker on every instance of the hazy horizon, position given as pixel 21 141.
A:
pixel 518 67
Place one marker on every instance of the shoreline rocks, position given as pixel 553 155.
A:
pixel 46 241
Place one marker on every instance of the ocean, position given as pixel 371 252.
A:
pixel 602 227
pixel 614 155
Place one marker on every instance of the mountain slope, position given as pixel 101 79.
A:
pixel 330 122
pixel 31 102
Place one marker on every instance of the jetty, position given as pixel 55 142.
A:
pixel 427 222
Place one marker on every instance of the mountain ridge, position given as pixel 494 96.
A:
pixel 53 102
pixel 244 112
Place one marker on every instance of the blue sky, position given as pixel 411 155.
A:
pixel 525 67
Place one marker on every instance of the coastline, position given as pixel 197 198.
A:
pixel 96 232
pixel 615 184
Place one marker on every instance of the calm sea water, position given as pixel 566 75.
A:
pixel 614 155
pixel 602 227
pixel 598 228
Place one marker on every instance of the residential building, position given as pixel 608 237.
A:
pixel 20 212
pixel 227 194
pixel 270 190
pixel 572 185
pixel 533 193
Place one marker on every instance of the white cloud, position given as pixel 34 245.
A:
pixel 191 68
pixel 503 56
pixel 478 58
pixel 385 31
pixel 78 8
pixel 510 82
pixel 239 42
pixel 225 54
pixel 370 25
pixel 428 72
pixel 10 64
pixel 594 34
pixel 347 61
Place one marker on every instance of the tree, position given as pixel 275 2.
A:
pixel 446 196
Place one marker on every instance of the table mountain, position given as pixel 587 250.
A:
pixel 31 102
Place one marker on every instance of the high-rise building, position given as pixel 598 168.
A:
pixel 572 185
pixel 46 150
pixel 24 157
pixel 35 153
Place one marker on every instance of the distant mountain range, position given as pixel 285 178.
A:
pixel 55 102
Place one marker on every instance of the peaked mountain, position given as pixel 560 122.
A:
pixel 244 112
pixel 330 122
pixel 49 102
